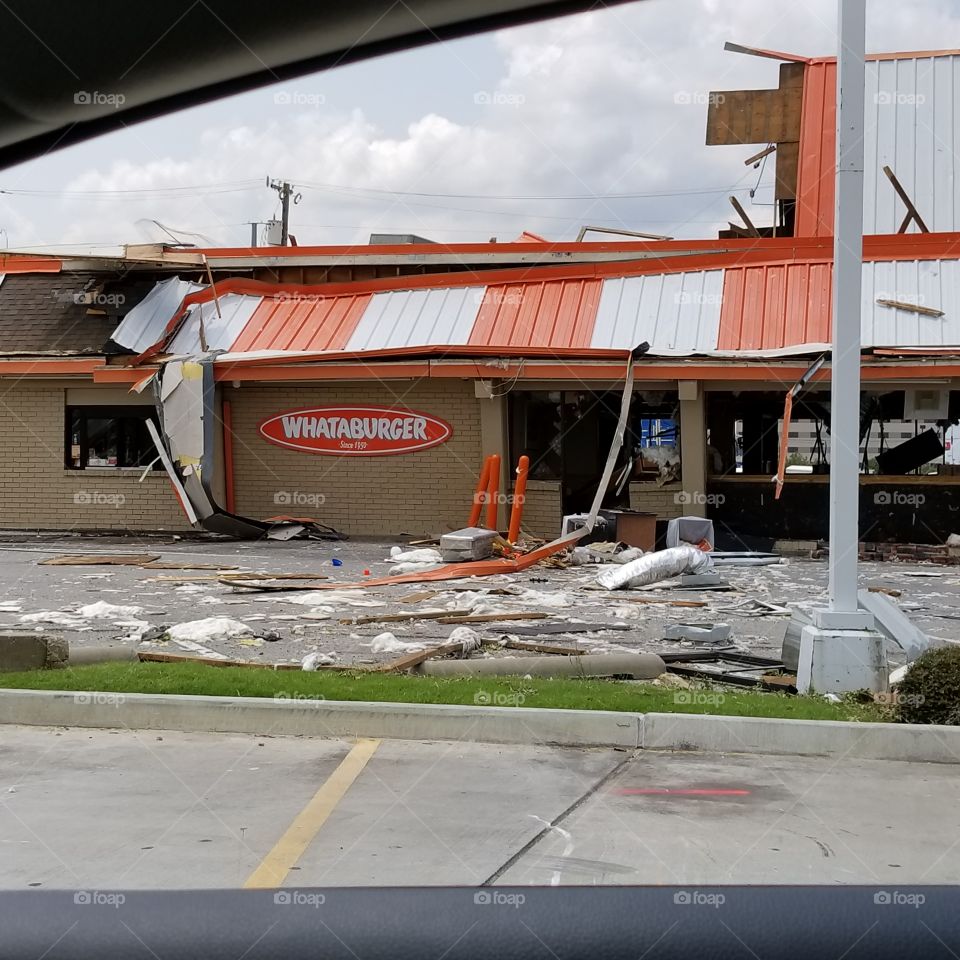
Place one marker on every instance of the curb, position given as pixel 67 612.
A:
pixel 919 743
pixel 320 718
pixel 509 725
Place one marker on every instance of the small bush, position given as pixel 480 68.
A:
pixel 930 692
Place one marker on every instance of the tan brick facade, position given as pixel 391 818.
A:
pixel 542 515
pixel 37 492
pixel 666 501
pixel 420 494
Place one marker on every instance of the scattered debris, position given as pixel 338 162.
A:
pixel 654 567
pixel 701 632
pixel 470 543
pixel 100 559
pixel 209 630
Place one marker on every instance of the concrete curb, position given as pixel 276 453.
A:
pixel 320 718
pixel 514 725
pixel 814 738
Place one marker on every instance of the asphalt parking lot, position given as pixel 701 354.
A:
pixel 116 810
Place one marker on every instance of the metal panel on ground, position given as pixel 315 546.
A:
pixel 417 318
pixel 676 313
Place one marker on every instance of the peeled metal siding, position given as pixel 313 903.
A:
pixel 145 324
pixel 674 313
pixel 551 313
pixel 911 125
pixel 308 323
pixel 220 329
pixel 417 318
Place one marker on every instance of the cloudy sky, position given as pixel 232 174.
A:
pixel 596 119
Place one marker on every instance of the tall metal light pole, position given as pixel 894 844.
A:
pixel 840 650
pixel 847 269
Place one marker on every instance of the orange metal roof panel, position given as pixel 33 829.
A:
pixel 302 323
pixel 551 313
pixel 780 305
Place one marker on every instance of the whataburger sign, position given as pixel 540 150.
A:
pixel 355 431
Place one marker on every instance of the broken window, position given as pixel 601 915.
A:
pixel 567 433
pixel 108 437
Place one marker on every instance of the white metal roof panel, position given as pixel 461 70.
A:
pixel 676 313
pixel 927 283
pixel 221 329
pixel 426 317
pixel 144 325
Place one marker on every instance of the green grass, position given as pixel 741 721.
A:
pixel 567 694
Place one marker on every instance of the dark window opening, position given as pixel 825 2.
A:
pixel 566 434
pixel 108 438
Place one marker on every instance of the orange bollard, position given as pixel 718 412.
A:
pixel 479 494
pixel 493 491
pixel 519 495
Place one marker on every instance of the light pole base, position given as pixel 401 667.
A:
pixel 838 661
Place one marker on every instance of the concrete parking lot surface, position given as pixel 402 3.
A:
pixel 135 810
pixel 47 598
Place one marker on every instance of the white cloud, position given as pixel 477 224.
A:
pixel 581 104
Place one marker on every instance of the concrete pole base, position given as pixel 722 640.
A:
pixel 838 661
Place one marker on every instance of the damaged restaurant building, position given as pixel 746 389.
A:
pixel 363 386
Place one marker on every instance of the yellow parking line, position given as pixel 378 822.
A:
pixel 290 847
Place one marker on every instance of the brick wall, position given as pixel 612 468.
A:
pixel 663 501
pixel 421 494
pixel 542 514
pixel 38 492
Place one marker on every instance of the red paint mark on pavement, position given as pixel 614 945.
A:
pixel 658 791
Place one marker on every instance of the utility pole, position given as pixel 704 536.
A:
pixel 841 650
pixel 285 190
